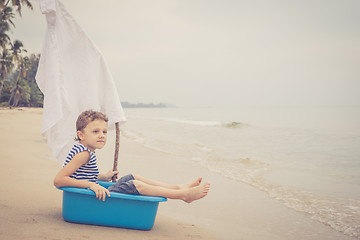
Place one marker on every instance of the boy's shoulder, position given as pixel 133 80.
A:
pixel 78 147
pixel 78 150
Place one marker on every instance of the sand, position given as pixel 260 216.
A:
pixel 31 206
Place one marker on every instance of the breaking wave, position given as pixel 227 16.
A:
pixel 343 215
pixel 231 124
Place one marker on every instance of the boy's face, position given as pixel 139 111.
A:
pixel 94 135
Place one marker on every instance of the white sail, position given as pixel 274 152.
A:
pixel 73 77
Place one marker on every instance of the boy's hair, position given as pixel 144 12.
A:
pixel 86 117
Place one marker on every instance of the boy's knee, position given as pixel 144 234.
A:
pixel 135 176
pixel 139 185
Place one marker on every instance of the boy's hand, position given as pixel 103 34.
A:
pixel 109 175
pixel 100 191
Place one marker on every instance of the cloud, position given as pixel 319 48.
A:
pixel 222 52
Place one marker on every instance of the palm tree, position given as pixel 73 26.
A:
pixel 20 94
pixel 5 24
pixel 4 39
pixel 5 67
pixel 15 3
pixel 7 57
pixel 14 57
pixel 23 66
pixel 16 49
pixel 6 60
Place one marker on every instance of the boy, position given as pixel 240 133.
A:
pixel 80 168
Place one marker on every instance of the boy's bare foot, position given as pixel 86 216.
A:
pixel 197 192
pixel 191 184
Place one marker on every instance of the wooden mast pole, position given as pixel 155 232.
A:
pixel 117 144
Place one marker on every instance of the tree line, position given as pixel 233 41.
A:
pixel 18 69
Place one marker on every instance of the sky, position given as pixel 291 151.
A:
pixel 211 53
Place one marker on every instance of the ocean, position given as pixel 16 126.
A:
pixel 308 158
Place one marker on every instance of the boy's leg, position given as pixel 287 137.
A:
pixel 186 194
pixel 194 183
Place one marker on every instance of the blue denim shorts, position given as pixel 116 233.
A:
pixel 125 185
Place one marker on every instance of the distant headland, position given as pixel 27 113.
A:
pixel 146 105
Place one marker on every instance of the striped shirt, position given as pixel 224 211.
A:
pixel 89 171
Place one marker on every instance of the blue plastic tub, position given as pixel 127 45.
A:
pixel 119 210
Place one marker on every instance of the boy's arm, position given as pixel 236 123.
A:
pixel 63 179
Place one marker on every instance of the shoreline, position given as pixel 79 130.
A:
pixel 232 210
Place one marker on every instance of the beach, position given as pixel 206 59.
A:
pixel 31 206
